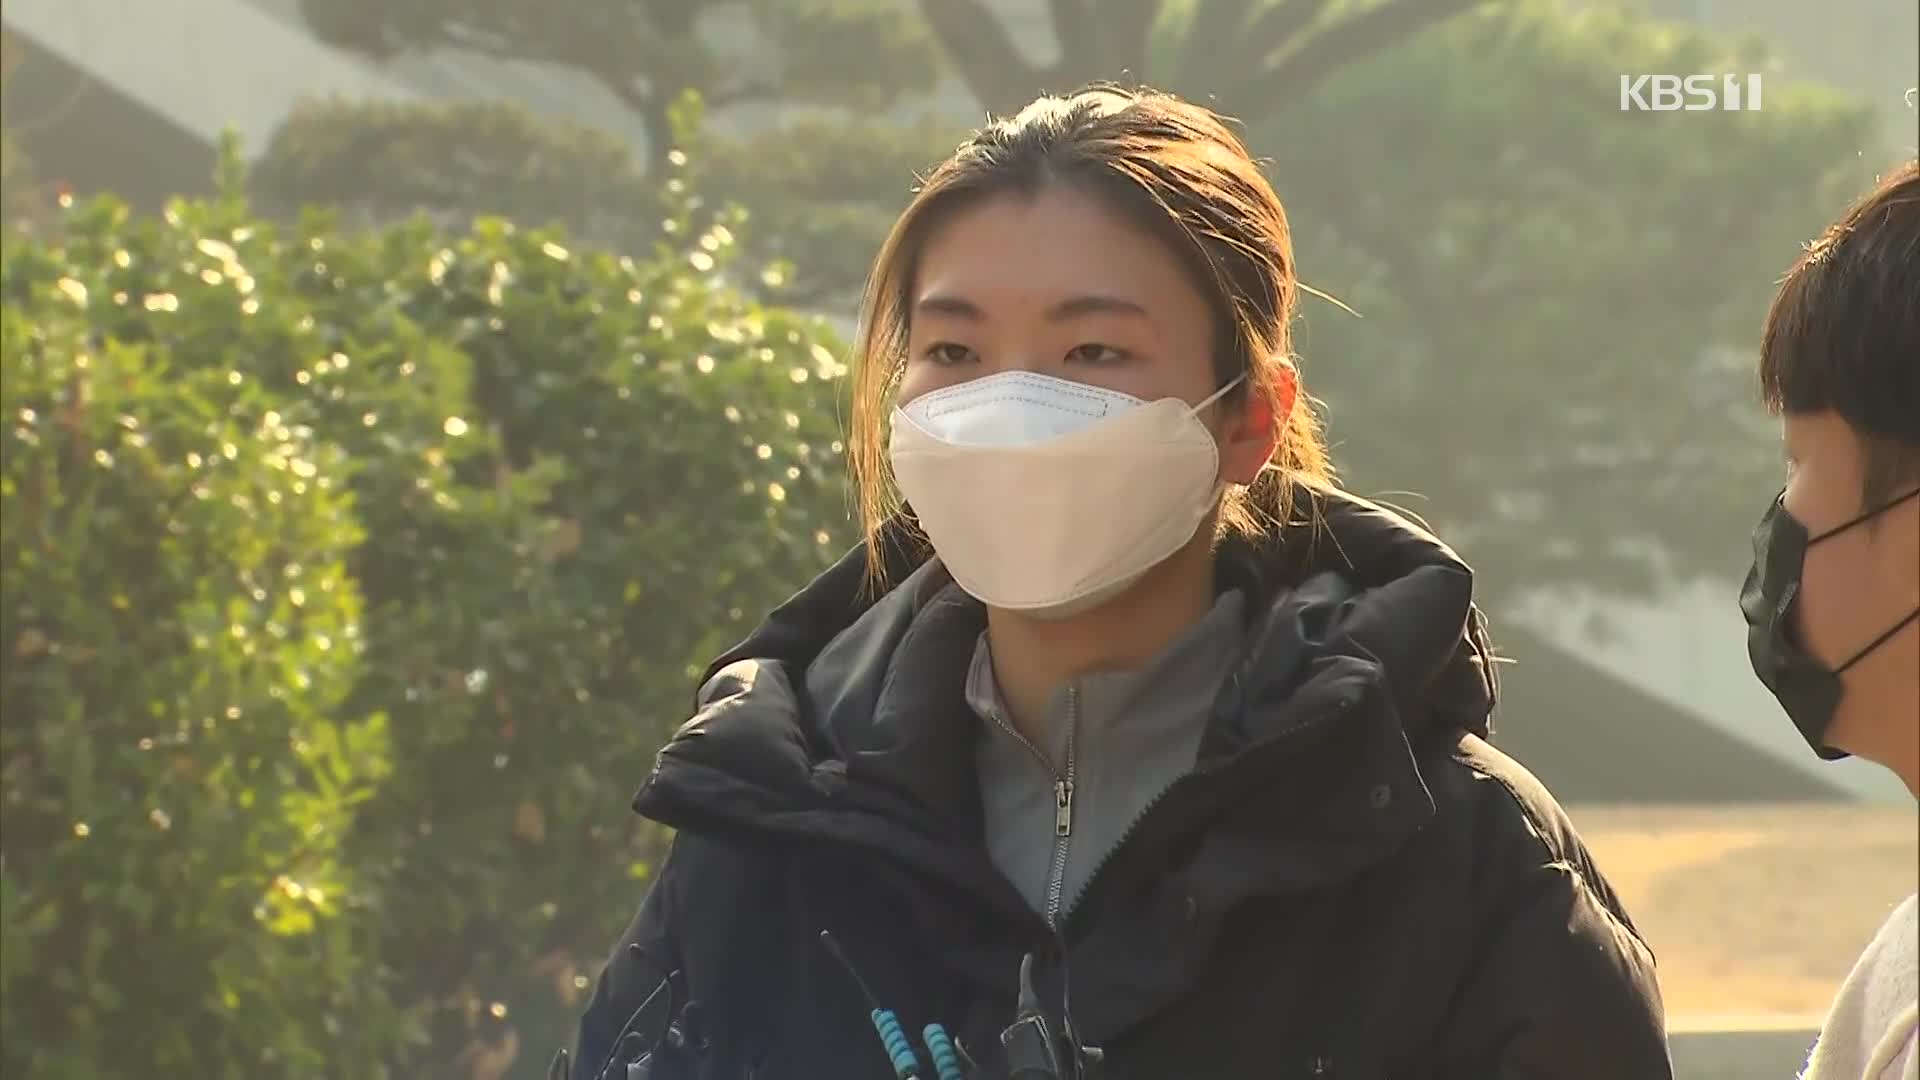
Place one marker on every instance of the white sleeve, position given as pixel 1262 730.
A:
pixel 1898 1055
pixel 1871 1032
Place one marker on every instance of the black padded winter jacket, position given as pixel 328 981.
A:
pixel 1351 883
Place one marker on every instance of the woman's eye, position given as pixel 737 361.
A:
pixel 1095 353
pixel 947 352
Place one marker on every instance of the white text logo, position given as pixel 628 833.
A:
pixel 1689 93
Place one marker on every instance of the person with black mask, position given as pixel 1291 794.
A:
pixel 1833 600
pixel 1131 732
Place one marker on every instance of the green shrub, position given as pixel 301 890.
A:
pixel 824 191
pixel 380 162
pixel 178 636
pixel 578 476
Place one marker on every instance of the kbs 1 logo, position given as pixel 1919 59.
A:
pixel 1689 93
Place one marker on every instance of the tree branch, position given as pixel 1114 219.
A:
pixel 1216 26
pixel 1122 35
pixel 984 53
pixel 622 85
pixel 1070 27
pixel 1273 28
pixel 1346 42
pixel 740 93
pixel 499 46
pixel 652 105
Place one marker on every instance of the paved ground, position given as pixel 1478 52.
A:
pixel 1756 913
pixel 1745 1055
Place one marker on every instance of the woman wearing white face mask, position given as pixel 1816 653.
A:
pixel 1130 697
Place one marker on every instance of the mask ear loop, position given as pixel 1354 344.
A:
pixel 1220 393
pixel 1843 527
pixel 1836 531
pixel 1879 641
pixel 1851 522
pixel 1219 485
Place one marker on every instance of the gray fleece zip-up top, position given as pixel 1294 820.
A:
pixel 1114 741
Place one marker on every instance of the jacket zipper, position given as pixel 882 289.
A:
pixel 1062 799
pixel 1134 825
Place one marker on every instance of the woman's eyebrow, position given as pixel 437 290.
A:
pixel 942 304
pixel 1073 307
pixel 1078 306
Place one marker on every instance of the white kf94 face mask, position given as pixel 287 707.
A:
pixel 1048 496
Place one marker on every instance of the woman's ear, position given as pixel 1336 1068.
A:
pixel 1252 432
pixel 1286 394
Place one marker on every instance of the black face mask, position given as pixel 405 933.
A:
pixel 1808 691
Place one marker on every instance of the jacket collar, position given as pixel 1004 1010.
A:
pixel 845 720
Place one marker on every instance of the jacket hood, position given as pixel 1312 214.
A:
pixel 842 718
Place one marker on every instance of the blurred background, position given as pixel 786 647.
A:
pixel 402 401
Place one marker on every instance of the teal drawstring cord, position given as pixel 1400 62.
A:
pixel 946 1061
pixel 906 1063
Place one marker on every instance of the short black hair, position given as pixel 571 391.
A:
pixel 1843 333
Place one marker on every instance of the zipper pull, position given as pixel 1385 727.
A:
pixel 1063 808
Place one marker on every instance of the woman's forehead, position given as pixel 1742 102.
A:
pixel 1040 251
